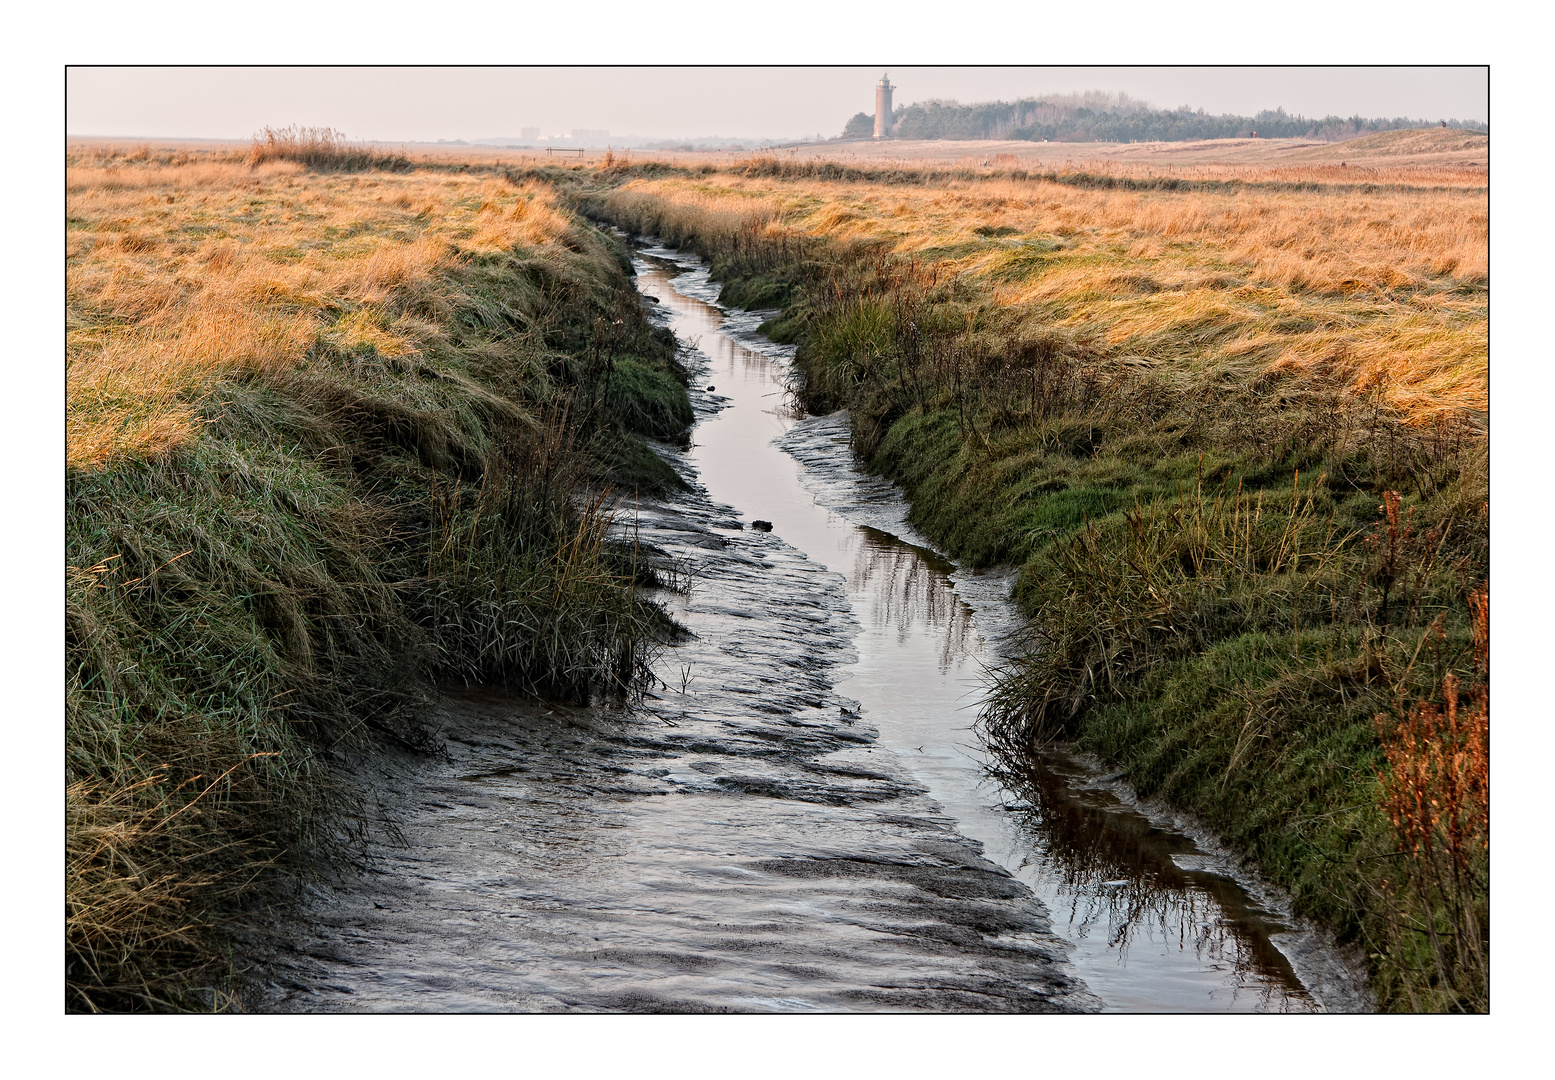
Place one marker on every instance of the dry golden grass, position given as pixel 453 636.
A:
pixel 188 266
pixel 1384 289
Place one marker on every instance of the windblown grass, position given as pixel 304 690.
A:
pixel 177 274
pixel 1377 286
pixel 330 438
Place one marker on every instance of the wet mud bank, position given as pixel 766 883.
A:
pixel 799 814
pixel 558 859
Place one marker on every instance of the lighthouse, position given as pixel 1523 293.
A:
pixel 883 108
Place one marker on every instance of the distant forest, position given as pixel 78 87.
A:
pixel 1101 117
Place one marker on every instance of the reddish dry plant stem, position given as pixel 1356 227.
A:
pixel 1436 792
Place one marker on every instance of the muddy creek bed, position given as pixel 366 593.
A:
pixel 797 816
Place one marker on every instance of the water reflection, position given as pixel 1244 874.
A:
pixel 909 590
pixel 1126 880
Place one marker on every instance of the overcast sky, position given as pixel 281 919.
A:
pixel 390 104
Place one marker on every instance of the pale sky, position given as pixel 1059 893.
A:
pixel 429 103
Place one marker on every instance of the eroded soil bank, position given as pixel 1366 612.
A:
pixel 798 816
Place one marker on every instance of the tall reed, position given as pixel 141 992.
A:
pixel 320 148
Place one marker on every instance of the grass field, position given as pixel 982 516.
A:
pixel 342 423
pixel 338 427
pixel 1420 152
pixel 187 270
pixel 1231 422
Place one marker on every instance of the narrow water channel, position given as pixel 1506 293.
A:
pixel 796 816
pixel 1156 922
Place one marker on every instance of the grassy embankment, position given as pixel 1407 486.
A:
pixel 337 427
pixel 1182 407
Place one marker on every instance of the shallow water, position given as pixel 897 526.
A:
pixel 797 817
pixel 1156 922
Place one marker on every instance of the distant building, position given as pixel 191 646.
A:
pixel 883 108
pixel 529 135
pixel 590 135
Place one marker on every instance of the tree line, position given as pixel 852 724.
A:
pixel 1104 118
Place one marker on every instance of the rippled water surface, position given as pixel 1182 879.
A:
pixel 798 816
pixel 1156 923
